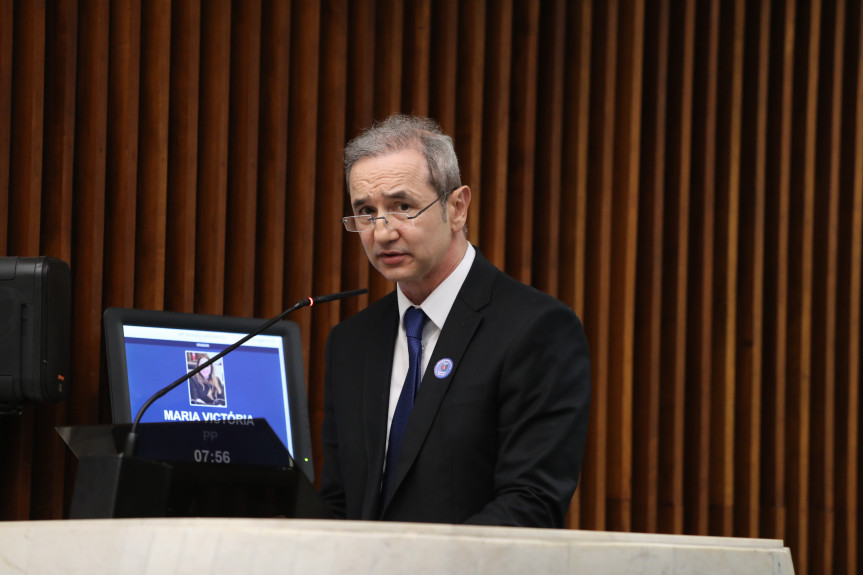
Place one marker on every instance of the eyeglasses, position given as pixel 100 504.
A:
pixel 392 220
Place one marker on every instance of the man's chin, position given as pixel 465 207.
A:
pixel 393 273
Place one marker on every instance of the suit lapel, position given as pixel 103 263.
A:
pixel 458 331
pixel 376 387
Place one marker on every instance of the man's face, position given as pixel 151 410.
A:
pixel 420 256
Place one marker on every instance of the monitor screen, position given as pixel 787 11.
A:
pixel 148 350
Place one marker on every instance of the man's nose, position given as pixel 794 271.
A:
pixel 382 231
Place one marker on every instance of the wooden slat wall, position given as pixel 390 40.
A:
pixel 750 270
pixel 688 176
pixel 850 262
pixel 675 345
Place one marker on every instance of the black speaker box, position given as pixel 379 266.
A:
pixel 35 330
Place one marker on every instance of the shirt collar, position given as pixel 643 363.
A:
pixel 438 304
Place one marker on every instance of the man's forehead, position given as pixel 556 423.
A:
pixel 392 176
pixel 390 165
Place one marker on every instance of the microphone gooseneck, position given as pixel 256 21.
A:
pixel 132 438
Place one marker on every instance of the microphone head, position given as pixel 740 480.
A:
pixel 339 295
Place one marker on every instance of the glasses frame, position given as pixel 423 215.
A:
pixel 373 219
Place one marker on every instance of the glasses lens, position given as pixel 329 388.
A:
pixel 393 220
pixel 356 223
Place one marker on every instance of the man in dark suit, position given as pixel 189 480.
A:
pixel 473 410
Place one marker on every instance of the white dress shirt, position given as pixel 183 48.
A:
pixel 436 307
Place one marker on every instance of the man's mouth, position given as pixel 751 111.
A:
pixel 390 258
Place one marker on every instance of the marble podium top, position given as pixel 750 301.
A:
pixel 309 547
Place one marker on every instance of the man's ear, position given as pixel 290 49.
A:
pixel 459 205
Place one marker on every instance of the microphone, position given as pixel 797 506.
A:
pixel 132 438
pixel 335 296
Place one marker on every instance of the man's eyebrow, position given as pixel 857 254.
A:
pixel 393 195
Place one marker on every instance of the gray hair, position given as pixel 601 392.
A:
pixel 401 132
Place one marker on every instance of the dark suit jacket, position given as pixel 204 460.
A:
pixel 499 441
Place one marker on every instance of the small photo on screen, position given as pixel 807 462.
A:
pixel 207 387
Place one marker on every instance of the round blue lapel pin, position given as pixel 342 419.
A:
pixel 442 368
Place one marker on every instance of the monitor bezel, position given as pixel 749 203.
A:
pixel 115 318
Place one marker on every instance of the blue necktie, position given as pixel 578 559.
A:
pixel 414 320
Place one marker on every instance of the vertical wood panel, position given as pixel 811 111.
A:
pixel 750 301
pixel 60 71
pixel 700 320
pixel 648 304
pixel 361 65
pixel 443 64
pixel 627 140
pixel 211 205
pixel 522 151
pixel 850 262
pixel 730 78
pixel 6 43
pixel 472 24
pixel 417 57
pixel 776 268
pixel 492 203
pixel 545 253
pixel 182 182
pixel 153 154
pixel 597 311
pixel 675 301
pixel 824 302
pixel 243 158
pixel 28 74
pixel 389 50
pixel 272 159
pixel 800 281
pixel 122 157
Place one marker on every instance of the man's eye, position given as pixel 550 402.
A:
pixel 365 212
pixel 403 207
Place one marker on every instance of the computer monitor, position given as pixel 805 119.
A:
pixel 264 378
